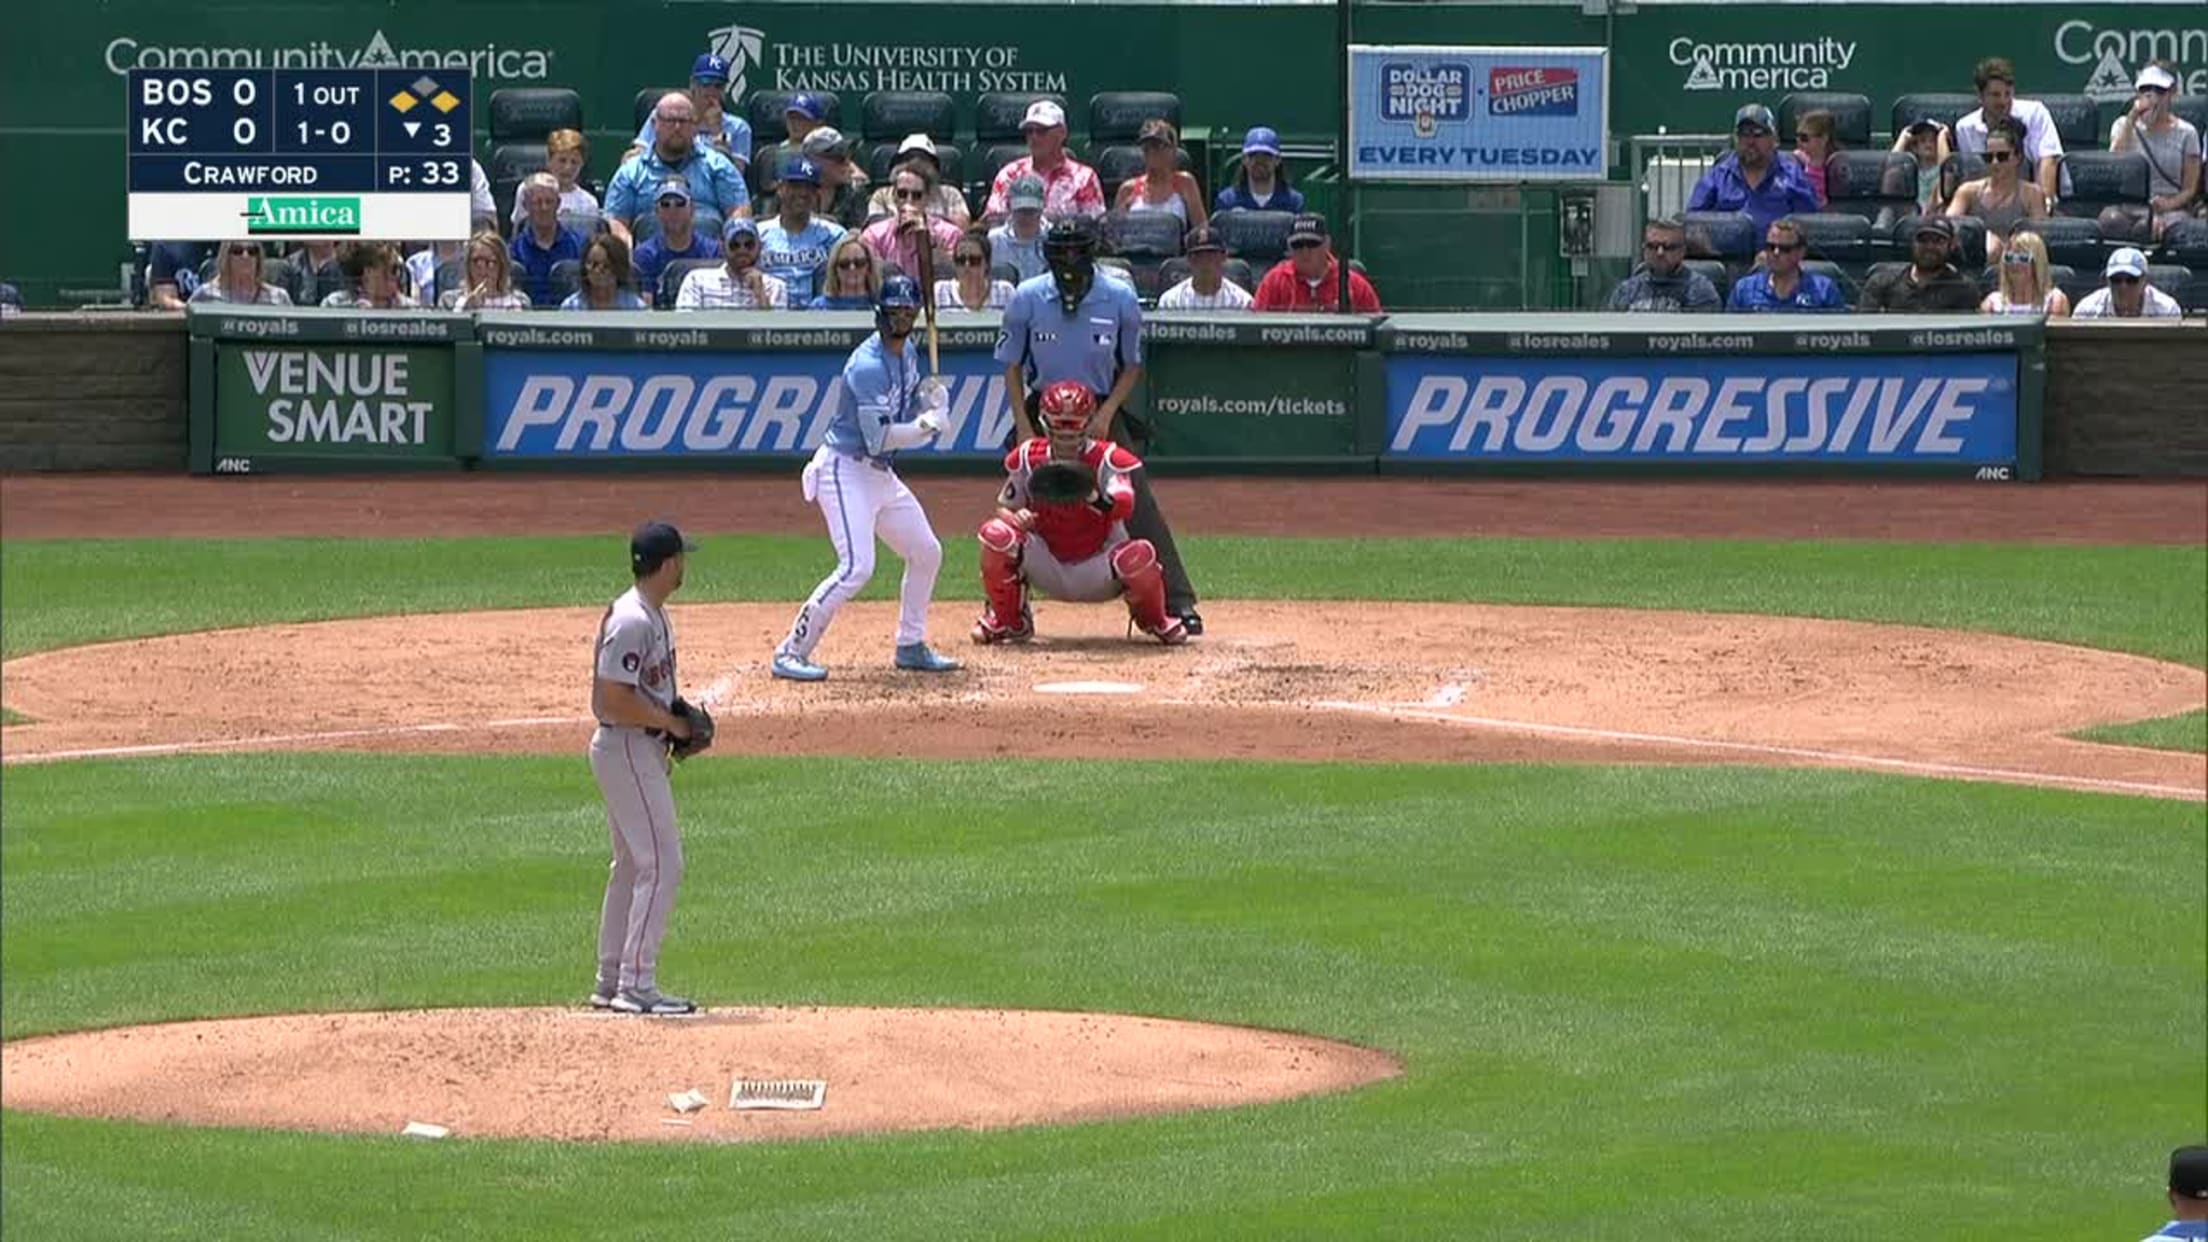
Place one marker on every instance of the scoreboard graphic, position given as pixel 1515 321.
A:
pixel 289 155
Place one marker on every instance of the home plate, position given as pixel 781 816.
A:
pixel 1088 687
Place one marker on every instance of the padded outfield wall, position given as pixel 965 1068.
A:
pixel 1681 66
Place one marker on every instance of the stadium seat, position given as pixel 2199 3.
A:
pixel 2077 120
pixel 1721 234
pixel 1946 108
pixel 2071 241
pixel 2193 108
pixel 1004 272
pixel 1238 271
pixel 1144 234
pixel 1880 186
pixel 890 115
pixel 1117 116
pixel 997 115
pixel 670 278
pixel 1125 268
pixel 511 161
pixel 528 113
pixel 1718 273
pixel 2101 179
pixel 768 113
pixel 2186 242
pixel 1838 236
pixel 1116 165
pixel 1850 287
pixel 992 162
pixel 2170 278
pixel 1960 167
pixel 1258 236
pixel 1851 115
pixel 567 277
pixel 882 155
pixel 646 100
pixel 451 274
pixel 1175 270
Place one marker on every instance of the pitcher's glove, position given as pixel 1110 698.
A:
pixel 701 730
pixel 1058 483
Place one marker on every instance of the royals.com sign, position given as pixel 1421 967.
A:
pixel 608 404
pixel 1958 409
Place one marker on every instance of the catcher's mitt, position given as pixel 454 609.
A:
pixel 701 730
pixel 1059 483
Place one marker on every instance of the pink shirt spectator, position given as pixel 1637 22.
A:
pixel 882 238
pixel 1070 189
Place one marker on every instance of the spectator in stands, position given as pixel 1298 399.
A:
pixel 2188 1197
pixel 172 273
pixel 540 242
pixel 2027 281
pixel 897 239
pixel 1262 185
pixel 565 151
pixel 1813 148
pixel 238 278
pixel 1781 285
pixel 1755 178
pixel 944 200
pixel 1162 185
pixel 11 301
pixel 854 277
pixel 804 113
pixel 2171 146
pixel 738 284
pixel 372 268
pixel 1926 141
pixel 717 189
pixel 970 287
pixel 1207 286
pixel 606 278
pixel 677 237
pixel 482 208
pixel 1070 187
pixel 2002 198
pixel 1309 280
pixel 718 126
pixel 1663 282
pixel 490 277
pixel 1997 101
pixel 2127 294
pixel 1931 282
pixel 1019 240
pixel 794 244
pixel 843 185
pixel 317 271
pixel 422 265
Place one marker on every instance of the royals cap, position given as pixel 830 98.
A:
pixel 709 68
pixel 1756 115
pixel 801 170
pixel 1262 139
pixel 739 224
pixel 1026 194
pixel 807 105
pixel 674 187
pixel 654 544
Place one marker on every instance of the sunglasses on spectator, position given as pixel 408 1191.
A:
pixel 2155 90
pixel 970 260
pixel 2016 258
pixel 1305 245
pixel 2000 157
pixel 1784 247
pixel 2123 279
pixel 743 243
pixel 851 265
pixel 911 196
pixel 672 201
pixel 1664 247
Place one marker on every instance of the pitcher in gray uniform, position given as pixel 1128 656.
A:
pixel 632 694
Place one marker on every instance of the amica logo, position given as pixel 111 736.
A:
pixel 327 216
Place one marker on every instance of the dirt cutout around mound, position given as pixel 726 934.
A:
pixel 1313 681
pixel 580 1074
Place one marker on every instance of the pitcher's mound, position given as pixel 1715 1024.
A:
pixel 579 1074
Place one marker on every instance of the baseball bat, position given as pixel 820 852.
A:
pixel 926 264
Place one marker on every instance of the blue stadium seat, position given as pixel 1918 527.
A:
pixel 1258 236
pixel 1117 116
pixel 1721 234
pixel 2101 179
pixel 528 113
pixel 886 116
pixel 1851 115
pixel 2077 120
pixel 997 115
pixel 1144 234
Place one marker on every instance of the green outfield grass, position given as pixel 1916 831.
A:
pixel 2146 600
pixel 1713 1003
pixel 2186 732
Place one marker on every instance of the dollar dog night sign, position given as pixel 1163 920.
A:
pixel 1478 113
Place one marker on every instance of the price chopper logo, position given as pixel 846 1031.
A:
pixel 1425 95
pixel 331 217
pixel 1537 91
pixel 742 47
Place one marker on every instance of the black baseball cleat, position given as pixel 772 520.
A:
pixel 1192 623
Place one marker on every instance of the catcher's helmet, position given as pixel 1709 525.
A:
pixel 1067 406
pixel 1070 249
pixel 899 292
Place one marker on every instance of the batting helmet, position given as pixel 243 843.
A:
pixel 899 292
pixel 1067 407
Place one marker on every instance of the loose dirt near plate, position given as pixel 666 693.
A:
pixel 1363 681
pixel 580 1074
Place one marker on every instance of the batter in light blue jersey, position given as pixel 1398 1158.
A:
pixel 794 245
pixel 888 406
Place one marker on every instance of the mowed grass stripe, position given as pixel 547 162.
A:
pixel 1617 991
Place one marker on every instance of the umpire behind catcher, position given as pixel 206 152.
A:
pixel 1068 325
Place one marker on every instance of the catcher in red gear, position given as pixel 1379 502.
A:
pixel 1060 528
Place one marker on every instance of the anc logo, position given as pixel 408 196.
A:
pixel 321 215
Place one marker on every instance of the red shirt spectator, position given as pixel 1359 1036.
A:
pixel 1309 280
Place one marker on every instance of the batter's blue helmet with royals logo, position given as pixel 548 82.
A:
pixel 899 292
